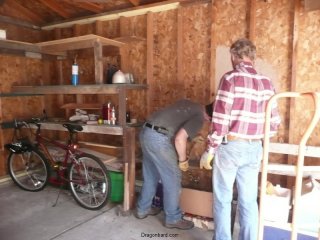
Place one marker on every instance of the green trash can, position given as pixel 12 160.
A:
pixel 117 186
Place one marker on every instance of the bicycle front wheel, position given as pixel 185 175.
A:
pixel 29 170
pixel 89 182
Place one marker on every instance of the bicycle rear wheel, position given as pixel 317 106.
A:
pixel 89 182
pixel 29 170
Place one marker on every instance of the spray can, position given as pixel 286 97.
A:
pixel 113 116
pixel 109 112
pixel 75 72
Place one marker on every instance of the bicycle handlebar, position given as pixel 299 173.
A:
pixel 19 124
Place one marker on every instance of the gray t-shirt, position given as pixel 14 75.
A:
pixel 182 114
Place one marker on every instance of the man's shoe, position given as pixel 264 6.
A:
pixel 153 211
pixel 181 224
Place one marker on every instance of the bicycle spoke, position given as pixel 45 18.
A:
pixel 89 182
pixel 28 170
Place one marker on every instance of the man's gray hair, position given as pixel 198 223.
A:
pixel 243 47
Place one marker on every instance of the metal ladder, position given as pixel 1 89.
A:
pixel 300 150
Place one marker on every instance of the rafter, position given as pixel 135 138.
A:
pixel 135 2
pixel 13 6
pixel 90 6
pixel 135 11
pixel 54 6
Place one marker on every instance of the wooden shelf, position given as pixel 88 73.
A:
pixel 79 89
pixel 57 47
pixel 293 149
pixel 130 39
pixel 17 45
pixel 290 170
pixel 75 43
pixel 18 94
pixel 100 129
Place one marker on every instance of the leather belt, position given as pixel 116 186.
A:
pixel 158 129
pixel 234 138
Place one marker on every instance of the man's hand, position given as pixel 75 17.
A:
pixel 205 161
pixel 184 166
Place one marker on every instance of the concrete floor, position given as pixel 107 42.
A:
pixel 31 216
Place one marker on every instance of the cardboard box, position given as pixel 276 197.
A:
pixel 197 202
pixel 277 205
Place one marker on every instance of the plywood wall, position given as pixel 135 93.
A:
pixel 18 70
pixel 203 31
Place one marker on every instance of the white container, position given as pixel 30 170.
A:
pixel 3 34
pixel 119 77
pixel 277 205
pixel 308 217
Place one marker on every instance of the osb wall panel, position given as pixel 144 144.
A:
pixel 137 56
pixel 15 70
pixel 308 75
pixel 230 21
pixel 196 52
pixel 274 40
pixel 21 107
pixel 21 34
pixel 19 71
pixel 165 58
pixel 230 24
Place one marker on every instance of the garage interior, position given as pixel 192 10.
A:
pixel 170 49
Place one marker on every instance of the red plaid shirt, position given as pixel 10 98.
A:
pixel 239 108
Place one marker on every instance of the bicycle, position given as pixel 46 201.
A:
pixel 30 164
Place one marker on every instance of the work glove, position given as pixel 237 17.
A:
pixel 205 161
pixel 184 166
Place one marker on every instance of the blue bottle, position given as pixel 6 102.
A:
pixel 75 73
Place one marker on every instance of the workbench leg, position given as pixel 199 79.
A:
pixel 129 170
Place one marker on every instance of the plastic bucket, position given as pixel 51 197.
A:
pixel 117 186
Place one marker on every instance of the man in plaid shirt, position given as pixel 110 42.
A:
pixel 238 116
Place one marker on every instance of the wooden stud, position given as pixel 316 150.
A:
pixel 180 81
pixel 129 173
pixel 98 63
pixel 293 80
pixel 76 32
pixel 252 20
pixel 98 28
pixel 150 47
pixel 213 50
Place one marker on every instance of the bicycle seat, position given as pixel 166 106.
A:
pixel 73 127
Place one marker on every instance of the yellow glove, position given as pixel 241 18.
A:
pixel 205 161
pixel 184 166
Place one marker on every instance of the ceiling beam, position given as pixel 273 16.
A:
pixel 135 11
pixel 17 22
pixel 13 7
pixel 56 7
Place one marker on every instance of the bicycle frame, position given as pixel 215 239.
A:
pixel 70 150
pixel 31 161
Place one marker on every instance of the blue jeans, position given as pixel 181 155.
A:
pixel 160 162
pixel 236 161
